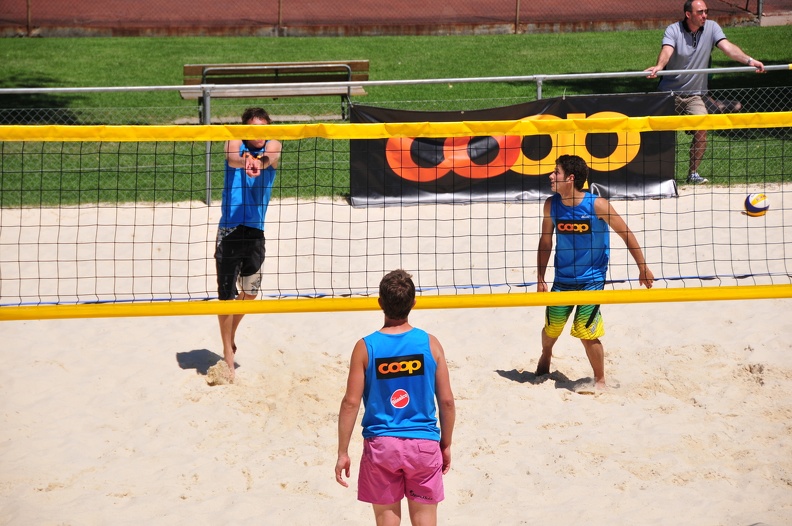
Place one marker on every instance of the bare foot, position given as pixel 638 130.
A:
pixel 542 368
pixel 588 387
pixel 231 370
pixel 219 374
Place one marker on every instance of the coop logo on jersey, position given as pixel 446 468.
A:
pixel 400 398
pixel 579 226
pixel 398 366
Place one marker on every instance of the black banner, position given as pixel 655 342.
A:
pixel 624 165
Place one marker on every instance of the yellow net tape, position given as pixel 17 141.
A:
pixel 535 125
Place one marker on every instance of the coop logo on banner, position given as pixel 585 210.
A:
pixel 506 153
pixel 408 170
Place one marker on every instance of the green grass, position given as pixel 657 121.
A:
pixel 141 61
pixel 69 174
pixel 92 172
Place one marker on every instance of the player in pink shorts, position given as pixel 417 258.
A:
pixel 393 467
pixel 400 374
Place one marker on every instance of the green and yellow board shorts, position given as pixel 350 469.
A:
pixel 587 323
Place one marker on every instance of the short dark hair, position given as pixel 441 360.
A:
pixel 256 113
pixel 573 164
pixel 397 294
pixel 688 7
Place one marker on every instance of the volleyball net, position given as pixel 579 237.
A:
pixel 122 220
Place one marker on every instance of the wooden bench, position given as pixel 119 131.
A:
pixel 266 80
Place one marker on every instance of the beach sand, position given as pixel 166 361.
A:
pixel 111 421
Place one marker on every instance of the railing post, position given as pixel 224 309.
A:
pixel 279 29
pixel 28 20
pixel 207 119
pixel 517 18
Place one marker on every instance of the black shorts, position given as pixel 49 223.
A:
pixel 239 258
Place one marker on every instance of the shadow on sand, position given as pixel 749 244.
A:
pixel 199 359
pixel 580 386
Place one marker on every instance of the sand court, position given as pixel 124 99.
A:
pixel 111 421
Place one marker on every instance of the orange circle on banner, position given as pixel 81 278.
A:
pixel 508 153
pixel 456 158
pixel 399 158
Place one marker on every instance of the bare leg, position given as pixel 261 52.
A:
pixel 543 367
pixel 228 327
pixel 387 514
pixel 596 356
pixel 422 514
pixel 697 149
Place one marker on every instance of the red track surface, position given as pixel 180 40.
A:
pixel 352 17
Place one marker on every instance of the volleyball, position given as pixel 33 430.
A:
pixel 756 205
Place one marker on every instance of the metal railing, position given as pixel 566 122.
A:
pixel 779 99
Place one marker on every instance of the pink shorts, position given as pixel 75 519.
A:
pixel 393 468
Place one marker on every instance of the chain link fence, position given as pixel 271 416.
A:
pixel 347 17
pixel 62 106
pixel 36 108
pixel 38 178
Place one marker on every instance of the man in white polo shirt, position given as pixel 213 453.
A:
pixel 688 44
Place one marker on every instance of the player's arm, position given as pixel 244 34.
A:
pixel 605 210
pixel 254 164
pixel 350 405
pixel 269 157
pixel 545 247
pixel 273 153
pixel 735 53
pixel 666 52
pixel 445 402
pixel 232 156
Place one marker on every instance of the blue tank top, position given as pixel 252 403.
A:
pixel 245 198
pixel 582 241
pixel 399 391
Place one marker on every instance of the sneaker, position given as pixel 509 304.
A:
pixel 695 178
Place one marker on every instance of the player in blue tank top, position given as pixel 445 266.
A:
pixel 408 371
pixel 583 241
pixel 580 222
pixel 239 251
pixel 400 374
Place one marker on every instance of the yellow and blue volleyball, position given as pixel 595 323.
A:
pixel 756 205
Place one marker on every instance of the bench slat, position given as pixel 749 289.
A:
pixel 268 75
pixel 257 79
pixel 359 66
pixel 274 92
pixel 276 72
